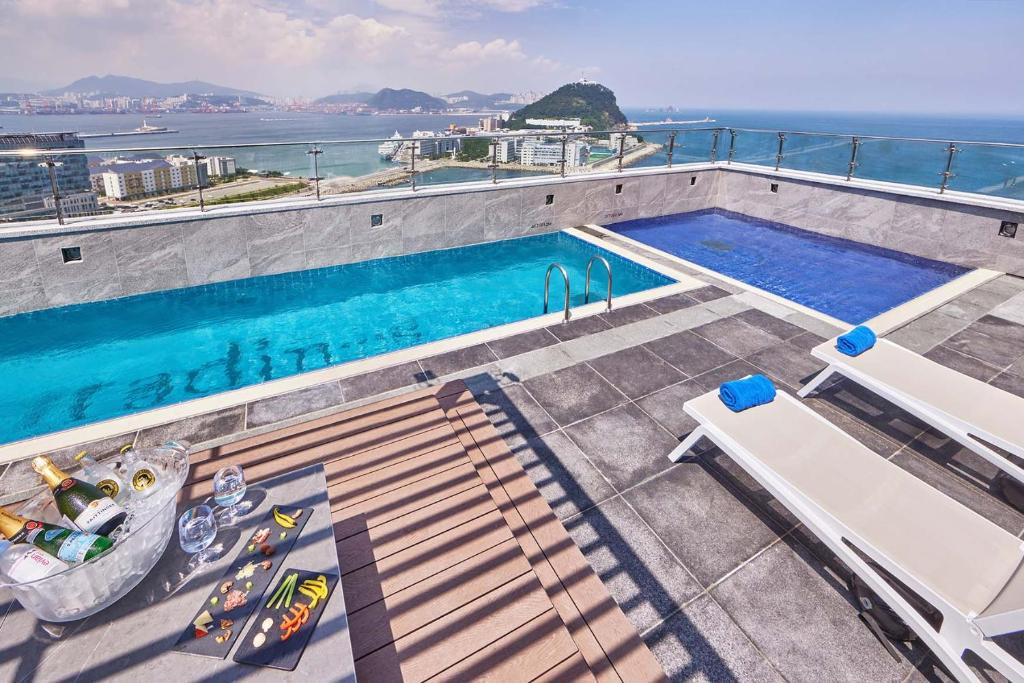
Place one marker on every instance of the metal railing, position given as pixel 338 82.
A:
pixel 547 289
pixel 586 286
pixel 325 167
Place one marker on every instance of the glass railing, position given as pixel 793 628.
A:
pixel 83 182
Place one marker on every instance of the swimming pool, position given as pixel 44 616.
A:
pixel 846 280
pixel 69 366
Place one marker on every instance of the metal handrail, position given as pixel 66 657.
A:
pixel 586 287
pixel 547 284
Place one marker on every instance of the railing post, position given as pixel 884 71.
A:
pixel 565 141
pixel 50 164
pixel 622 148
pixel 714 145
pixel 196 158
pixel 855 145
pixel 778 154
pixel 948 173
pixel 732 144
pixel 315 152
pixel 412 166
pixel 671 147
pixel 494 161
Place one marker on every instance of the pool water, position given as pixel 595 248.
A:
pixel 69 366
pixel 846 280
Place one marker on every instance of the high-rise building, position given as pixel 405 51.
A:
pixel 539 152
pixel 146 178
pixel 25 180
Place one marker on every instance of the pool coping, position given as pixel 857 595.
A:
pixel 881 324
pixel 112 427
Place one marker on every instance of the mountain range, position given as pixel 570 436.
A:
pixel 125 86
pixel 592 103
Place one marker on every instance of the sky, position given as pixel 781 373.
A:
pixel 937 56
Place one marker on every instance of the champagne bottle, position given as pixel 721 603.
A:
pixel 64 544
pixel 103 477
pixel 80 502
pixel 24 563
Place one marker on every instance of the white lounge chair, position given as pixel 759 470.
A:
pixel 966 567
pixel 963 408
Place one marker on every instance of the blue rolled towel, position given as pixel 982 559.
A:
pixel 856 341
pixel 748 392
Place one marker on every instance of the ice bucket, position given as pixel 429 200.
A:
pixel 86 588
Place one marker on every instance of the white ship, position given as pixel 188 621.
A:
pixel 390 148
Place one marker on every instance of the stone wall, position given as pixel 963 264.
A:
pixel 120 261
pixel 932 228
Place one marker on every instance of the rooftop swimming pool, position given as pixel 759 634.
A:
pixel 64 367
pixel 846 280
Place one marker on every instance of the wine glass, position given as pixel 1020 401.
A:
pixel 197 527
pixel 229 494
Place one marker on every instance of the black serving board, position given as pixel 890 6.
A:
pixel 207 646
pixel 284 654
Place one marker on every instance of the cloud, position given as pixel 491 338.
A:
pixel 278 48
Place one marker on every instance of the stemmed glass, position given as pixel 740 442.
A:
pixel 229 493
pixel 197 527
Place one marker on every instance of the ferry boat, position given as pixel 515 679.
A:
pixel 389 149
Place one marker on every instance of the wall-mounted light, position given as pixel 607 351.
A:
pixel 549 200
pixel 1008 229
pixel 774 187
pixel 693 180
pixel 618 188
pixel 71 254
pixel 376 220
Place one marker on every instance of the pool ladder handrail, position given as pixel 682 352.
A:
pixel 586 287
pixel 547 285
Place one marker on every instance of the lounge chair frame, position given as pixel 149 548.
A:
pixel 965 434
pixel 957 633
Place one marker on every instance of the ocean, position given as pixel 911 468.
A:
pixel 986 169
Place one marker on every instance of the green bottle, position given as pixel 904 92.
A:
pixel 64 544
pixel 80 502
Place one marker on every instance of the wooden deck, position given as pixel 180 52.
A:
pixel 454 566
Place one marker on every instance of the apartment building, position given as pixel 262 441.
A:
pixel 539 152
pixel 145 178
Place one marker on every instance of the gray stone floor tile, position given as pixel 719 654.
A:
pixel 793 366
pixel 709 293
pixel 690 353
pixel 636 371
pixel 926 332
pixel 457 360
pixel 813 632
pixel 770 324
pixel 818 326
pixel 673 302
pixel 573 393
pixel 277 408
pixel 962 309
pixel 688 318
pixel 727 306
pixel 967 365
pixel 379 381
pixel 562 474
pixel 701 643
pixel 195 430
pixel 598 344
pixel 1011 309
pixel 1009 381
pixel 1008 285
pixel 736 337
pixel 628 314
pixel 625 444
pixel 736 369
pixel 666 407
pixel 516 416
pixel 806 341
pixel 521 343
pixel 636 568
pixel 535 363
pixel 981 501
pixel 994 340
pixel 703 522
pixel 578 327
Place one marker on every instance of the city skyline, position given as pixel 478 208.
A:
pixel 737 54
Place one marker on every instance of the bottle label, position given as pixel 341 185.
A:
pixel 76 546
pixel 34 565
pixel 97 513
pixel 109 486
pixel 143 478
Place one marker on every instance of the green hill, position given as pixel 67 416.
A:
pixel 406 99
pixel 592 103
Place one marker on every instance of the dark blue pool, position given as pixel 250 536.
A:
pixel 846 280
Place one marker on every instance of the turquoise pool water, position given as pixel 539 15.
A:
pixel 65 367
pixel 847 280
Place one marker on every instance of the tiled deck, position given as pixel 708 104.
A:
pixel 453 566
pixel 715 575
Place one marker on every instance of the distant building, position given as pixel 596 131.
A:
pixel 146 178
pixel 555 123
pixel 184 162
pixel 631 141
pixel 25 185
pixel 75 204
pixel 537 152
pixel 510 149
pixel 221 166
pixel 491 123
pixel 428 145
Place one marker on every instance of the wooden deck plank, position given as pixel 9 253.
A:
pixel 401 570
pixel 384 455
pixel 616 636
pixel 400 614
pixel 388 538
pixel 463 632
pixel 522 655
pixel 421 466
pixel 572 669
